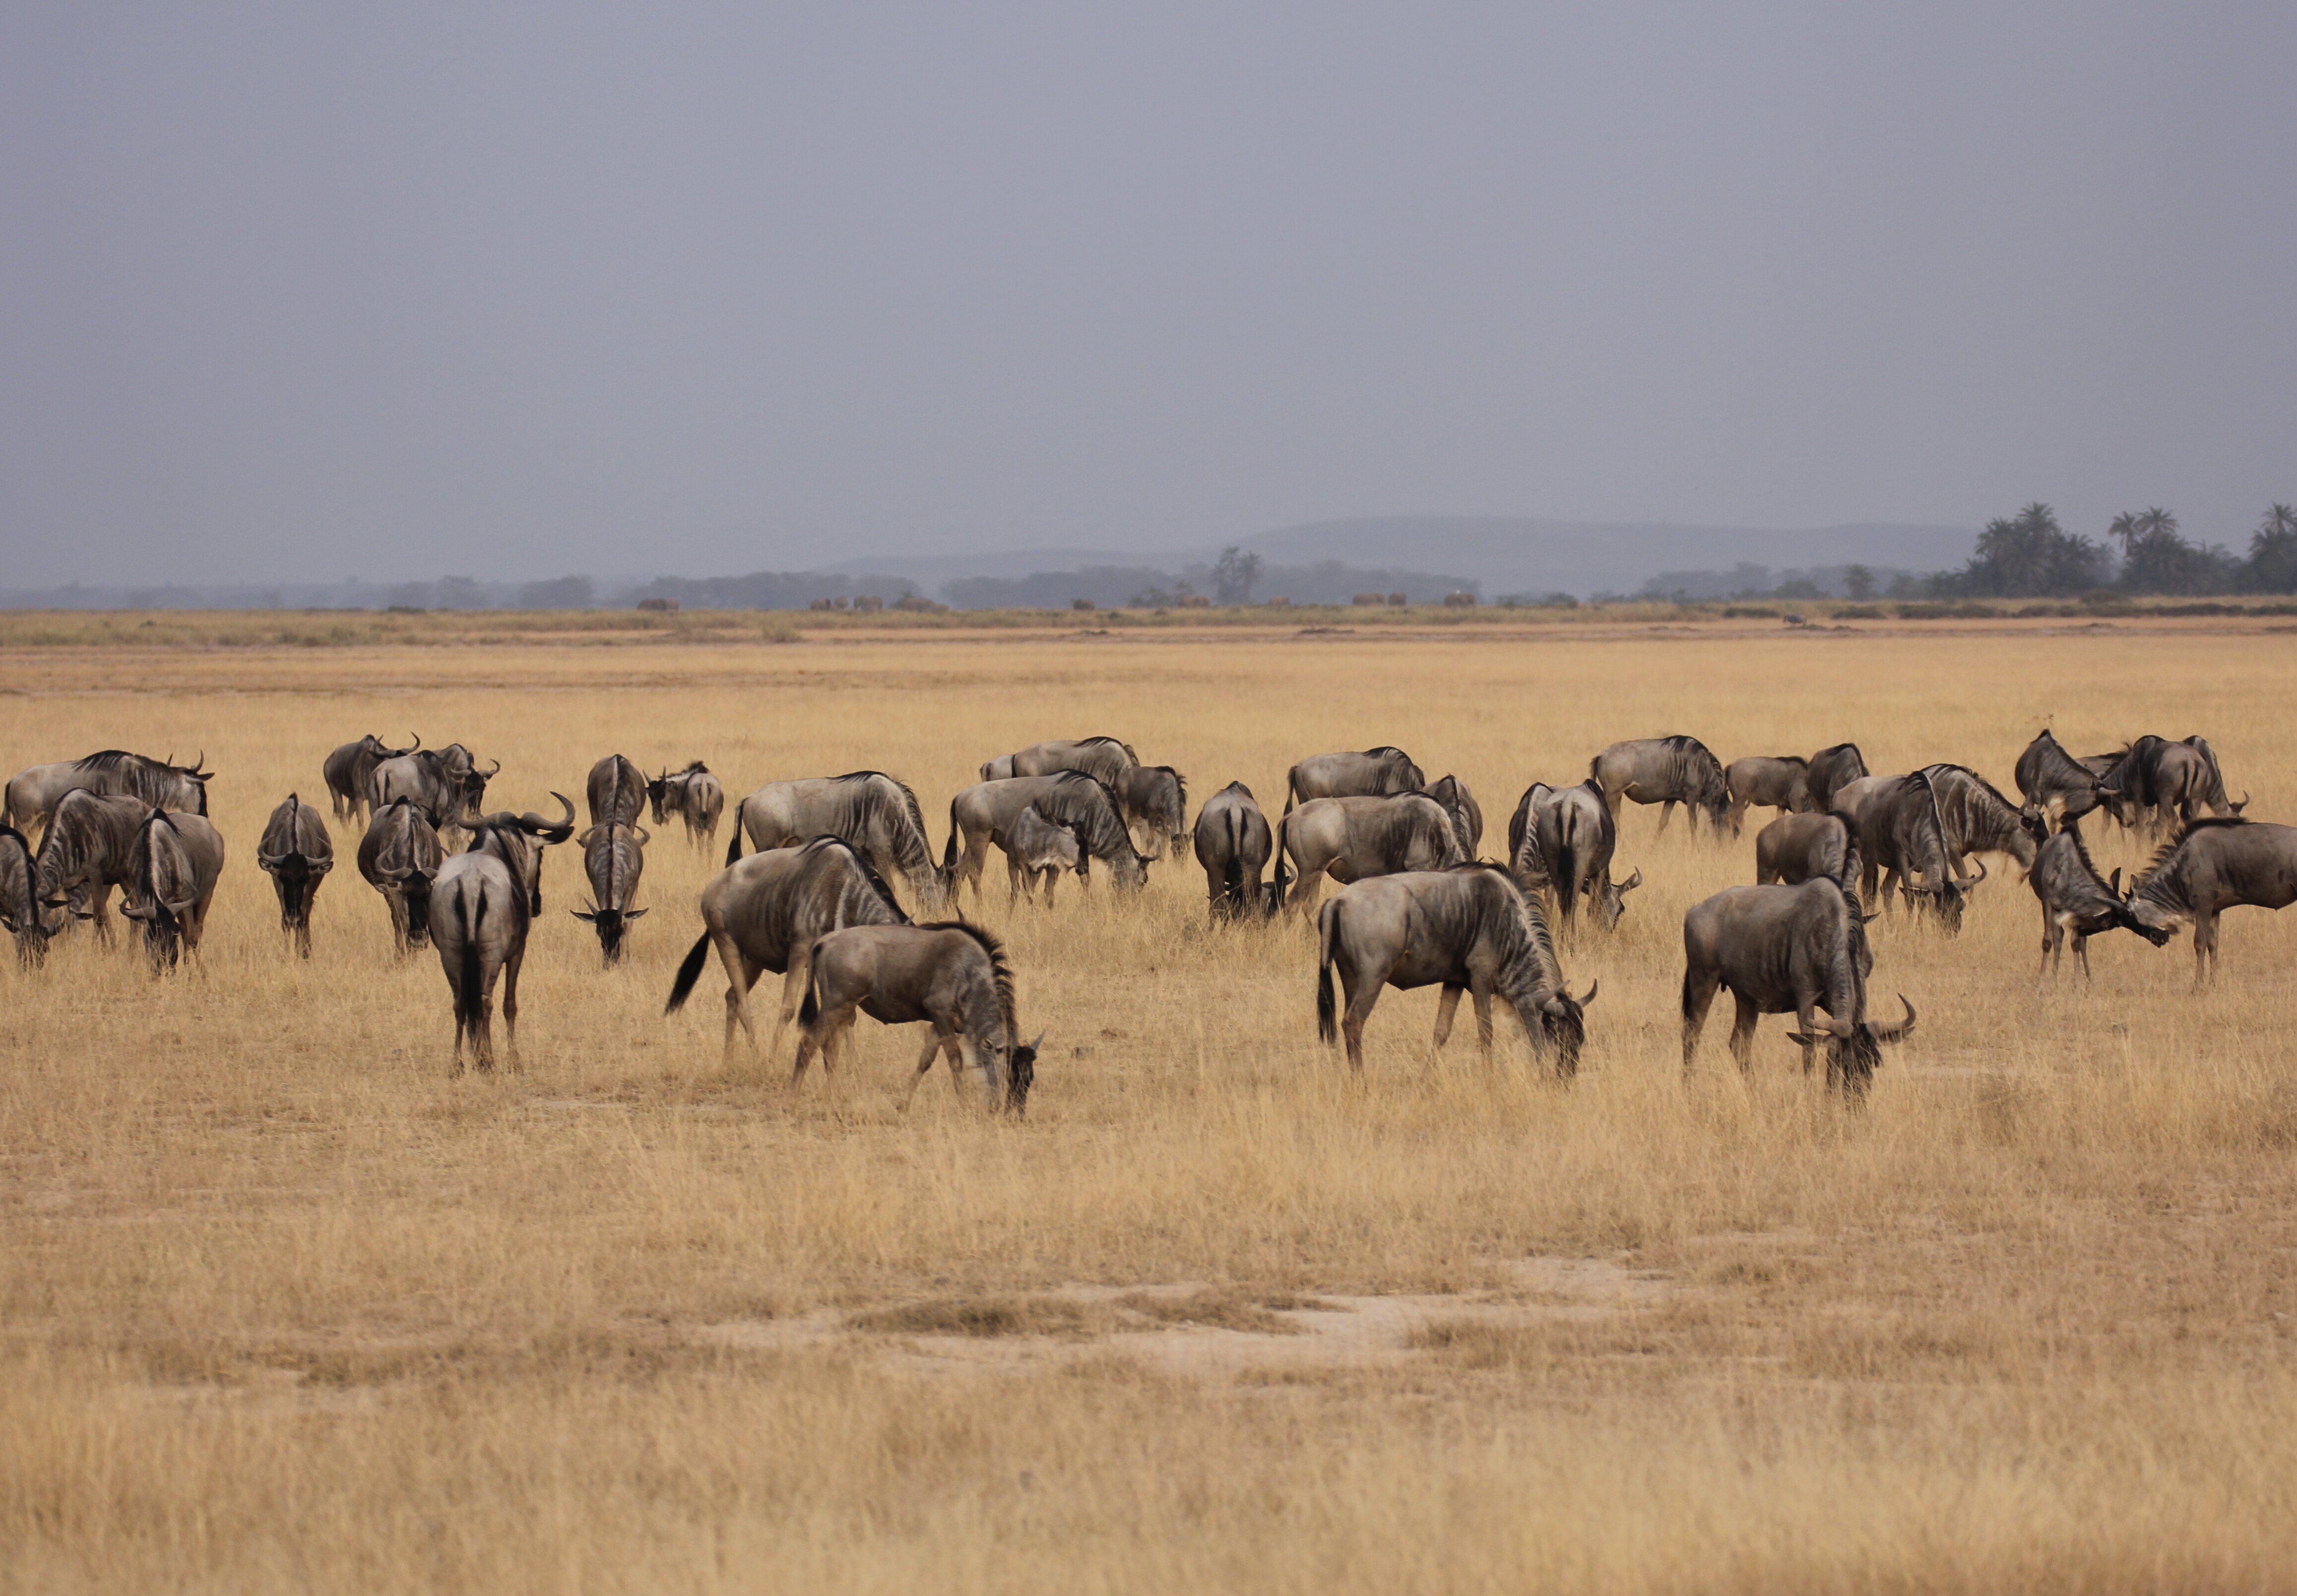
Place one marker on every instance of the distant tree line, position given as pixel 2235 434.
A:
pixel 2029 556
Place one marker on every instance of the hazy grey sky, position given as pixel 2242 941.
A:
pixel 304 292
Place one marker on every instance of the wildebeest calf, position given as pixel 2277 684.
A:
pixel 1038 851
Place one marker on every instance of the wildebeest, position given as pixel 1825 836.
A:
pixel 351 768
pixel 399 857
pixel 948 974
pixel 1104 758
pixel 764 913
pixel 86 852
pixel 1794 848
pixel 694 795
pixel 518 840
pixel 33 794
pixel 1156 797
pixel 1374 773
pixel 445 784
pixel 1787 949
pixel 616 792
pixel 1354 839
pixel 172 870
pixel 2056 786
pixel 987 811
pixel 1038 851
pixel 2211 866
pixel 479 922
pixel 1465 929
pixel 1902 839
pixel 1232 842
pixel 297 853
pixel 1773 781
pixel 1828 770
pixel 29 921
pixel 2074 898
pixel 1665 772
pixel 613 857
pixel 1561 843
pixel 1467 814
pixel 2156 777
pixel 1974 818
pixel 870 809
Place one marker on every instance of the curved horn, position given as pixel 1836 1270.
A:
pixel 1633 881
pixel 496 771
pixel 644 836
pixel 1893 1032
pixel 1593 987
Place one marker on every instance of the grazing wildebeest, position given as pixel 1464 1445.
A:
pixel 1828 770
pixel 86 853
pixel 518 840
pixel 1974 818
pixel 1561 842
pixel 1902 838
pixel 2076 899
pixel 613 857
pixel 1354 839
pixel 1467 814
pixel 351 768
pixel 445 784
pixel 1156 797
pixel 764 914
pixel 1787 949
pixel 172 871
pixel 948 974
pixel 986 813
pixel 616 792
pixel 2211 866
pixel 34 793
pixel 1036 849
pixel 694 795
pixel 1773 781
pixel 1104 758
pixel 1665 772
pixel 1794 848
pixel 1849 799
pixel 28 920
pixel 870 809
pixel 297 853
pixel 1233 843
pixel 2056 786
pixel 1465 929
pixel 2156 777
pixel 1374 773
pixel 479 922
pixel 399 857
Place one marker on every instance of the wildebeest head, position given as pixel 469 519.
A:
pixel 1855 1052
pixel 31 922
pixel 658 794
pixel 1946 899
pixel 610 923
pixel 1610 899
pixel 1020 1074
pixel 1564 1018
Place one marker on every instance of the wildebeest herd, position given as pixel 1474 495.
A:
pixel 814 902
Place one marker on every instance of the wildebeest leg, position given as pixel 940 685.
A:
pixel 2081 955
pixel 810 1041
pixel 1666 813
pixel 2051 944
pixel 935 1043
pixel 1698 988
pixel 1447 1003
pixel 1052 880
pixel 1362 988
pixel 1013 883
pixel 1742 1033
pixel 2205 948
pixel 1481 992
pixel 793 995
pixel 741 976
pixel 510 1006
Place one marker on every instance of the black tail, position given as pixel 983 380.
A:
pixel 1566 878
pixel 1233 878
pixel 688 974
pixel 949 854
pixel 734 847
pixel 809 1011
pixel 1281 877
pixel 468 999
pixel 1325 1031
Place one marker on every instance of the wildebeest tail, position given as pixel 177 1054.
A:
pixel 468 997
pixel 809 1011
pixel 1280 878
pixel 734 847
pixel 1232 878
pixel 949 854
pixel 1565 877
pixel 1325 1031
pixel 688 974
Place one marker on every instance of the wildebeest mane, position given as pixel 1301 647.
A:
pixel 1000 971
pixel 877 884
pixel 1105 817
pixel 2163 872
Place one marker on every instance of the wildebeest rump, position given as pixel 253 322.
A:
pixel 613 857
pixel 1154 797
pixel 446 783
pixel 2074 898
pixel 479 923
pixel 1465 929
pixel 1796 848
pixel 1665 772
pixel 874 812
pixel 1234 840
pixel 1561 843
pixel 1467 814
pixel 615 791
pixel 399 856
pixel 951 975
pixel 2211 866
pixel 350 771
pixel 1354 839
pixel 297 853
pixel 764 913
pixel 985 813
pixel 694 795
pixel 1828 770
pixel 1374 773
pixel 172 870
pixel 2156 779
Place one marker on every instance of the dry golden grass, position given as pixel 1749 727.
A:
pixel 288 1307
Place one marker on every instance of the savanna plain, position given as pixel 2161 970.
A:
pixel 287 1305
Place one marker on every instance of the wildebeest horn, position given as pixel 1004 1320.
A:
pixel 535 822
pixel 2113 882
pixel 1592 987
pixel 1633 881
pixel 644 836
pixel 497 771
pixel 1893 1032
pixel 2243 804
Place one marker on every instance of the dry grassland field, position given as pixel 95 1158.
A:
pixel 288 1306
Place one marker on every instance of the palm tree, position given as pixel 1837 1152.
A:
pixel 2124 527
pixel 2157 523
